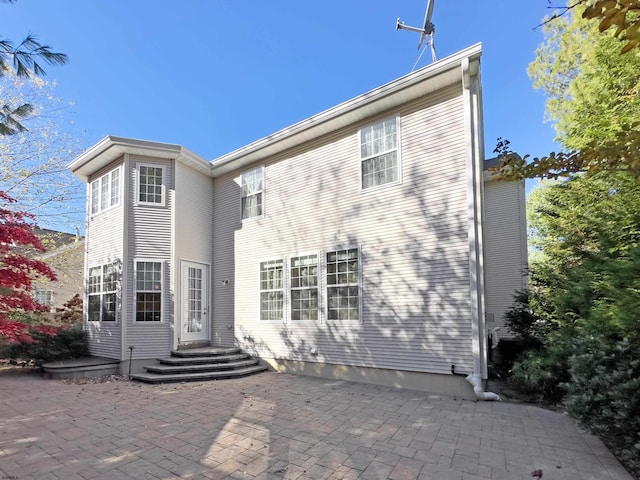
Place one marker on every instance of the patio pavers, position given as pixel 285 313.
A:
pixel 273 426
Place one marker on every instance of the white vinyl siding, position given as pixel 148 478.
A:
pixel 150 236
pixel 105 192
pixel 150 185
pixel 505 259
pixel 252 186
pixel 272 290
pixel 412 240
pixel 379 156
pixel 104 245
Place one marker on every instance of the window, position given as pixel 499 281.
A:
pixel 43 297
pixel 272 290
pixel 252 189
pixel 102 293
pixel 105 191
pixel 304 287
pixel 379 153
pixel 150 185
pixel 148 291
pixel 343 291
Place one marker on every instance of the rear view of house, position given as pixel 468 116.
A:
pixel 352 245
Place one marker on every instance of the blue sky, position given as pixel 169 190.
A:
pixel 214 75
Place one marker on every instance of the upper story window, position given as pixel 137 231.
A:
pixel 105 191
pixel 252 184
pixel 379 153
pixel 102 286
pixel 150 185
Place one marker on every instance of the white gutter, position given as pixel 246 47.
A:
pixel 471 92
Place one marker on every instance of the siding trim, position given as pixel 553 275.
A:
pixel 471 100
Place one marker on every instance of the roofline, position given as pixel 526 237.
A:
pixel 451 62
pixel 111 147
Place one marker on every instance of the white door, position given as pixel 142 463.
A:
pixel 194 322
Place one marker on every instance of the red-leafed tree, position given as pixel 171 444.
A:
pixel 17 270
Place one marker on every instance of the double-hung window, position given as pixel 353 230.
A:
pixel 343 285
pixel 304 287
pixel 272 290
pixel 103 280
pixel 148 291
pixel 150 185
pixel 105 191
pixel 252 185
pixel 43 297
pixel 379 158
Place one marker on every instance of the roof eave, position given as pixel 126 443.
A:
pixel 110 148
pixel 375 101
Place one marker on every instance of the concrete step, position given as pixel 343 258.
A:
pixel 206 352
pixel 201 360
pixel 194 377
pixel 203 367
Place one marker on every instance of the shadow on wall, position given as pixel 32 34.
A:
pixel 416 311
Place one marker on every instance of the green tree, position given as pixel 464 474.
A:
pixel 585 295
pixel 593 96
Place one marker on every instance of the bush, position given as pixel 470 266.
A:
pixel 604 394
pixel 543 372
pixel 51 344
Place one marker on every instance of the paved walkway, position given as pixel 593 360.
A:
pixel 274 426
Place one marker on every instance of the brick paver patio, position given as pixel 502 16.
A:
pixel 274 426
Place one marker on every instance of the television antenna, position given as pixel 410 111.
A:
pixel 426 32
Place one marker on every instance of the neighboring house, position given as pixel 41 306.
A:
pixel 366 242
pixel 65 255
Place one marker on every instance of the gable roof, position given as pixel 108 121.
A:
pixel 443 73
pixel 436 76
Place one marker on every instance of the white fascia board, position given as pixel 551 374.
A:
pixel 110 148
pixel 393 94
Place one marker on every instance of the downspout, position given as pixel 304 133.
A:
pixel 473 119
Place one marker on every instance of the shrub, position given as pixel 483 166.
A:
pixel 51 344
pixel 604 394
pixel 543 371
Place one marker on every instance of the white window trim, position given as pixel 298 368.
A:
pixel 135 290
pixel 284 290
pixel 98 181
pixel 326 286
pixel 398 149
pixel 163 187
pixel 103 292
pixel 263 191
pixel 289 288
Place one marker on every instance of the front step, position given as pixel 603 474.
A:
pixel 205 363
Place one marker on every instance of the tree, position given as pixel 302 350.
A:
pixel 593 96
pixel 17 270
pixel 32 165
pixel 622 14
pixel 27 58
pixel 585 294
pixel 35 143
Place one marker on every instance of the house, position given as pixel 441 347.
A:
pixel 364 243
pixel 65 255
